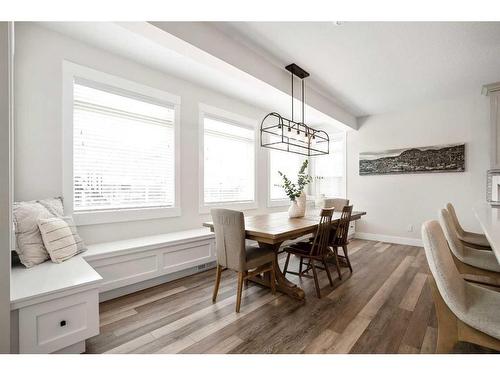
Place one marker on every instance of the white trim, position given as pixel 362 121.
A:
pixel 70 72
pixel 389 239
pixel 205 110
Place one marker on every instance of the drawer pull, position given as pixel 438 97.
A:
pixel 62 323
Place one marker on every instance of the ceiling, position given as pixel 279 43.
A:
pixel 378 67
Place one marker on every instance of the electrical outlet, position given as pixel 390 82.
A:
pixel 410 228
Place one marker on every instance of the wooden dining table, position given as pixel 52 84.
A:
pixel 271 230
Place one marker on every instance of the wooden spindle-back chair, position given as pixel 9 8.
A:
pixel 315 251
pixel 340 238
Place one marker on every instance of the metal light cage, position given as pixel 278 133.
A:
pixel 280 133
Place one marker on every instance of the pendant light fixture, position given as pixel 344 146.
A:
pixel 280 133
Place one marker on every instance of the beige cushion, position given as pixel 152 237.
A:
pixel 57 238
pixel 474 305
pixel 30 246
pixel 471 238
pixel 337 203
pixel 474 257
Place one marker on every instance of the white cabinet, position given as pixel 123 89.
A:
pixel 55 307
pixel 56 324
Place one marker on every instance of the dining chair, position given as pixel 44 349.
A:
pixel 470 239
pixel 465 311
pixel 234 254
pixel 314 251
pixel 483 259
pixel 340 239
pixel 337 203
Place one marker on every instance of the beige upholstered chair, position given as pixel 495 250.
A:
pixel 465 312
pixel 234 254
pixel 470 239
pixel 483 259
pixel 337 203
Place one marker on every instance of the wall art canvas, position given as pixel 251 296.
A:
pixel 444 158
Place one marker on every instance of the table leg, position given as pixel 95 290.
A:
pixel 282 283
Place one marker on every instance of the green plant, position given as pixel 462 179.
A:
pixel 292 190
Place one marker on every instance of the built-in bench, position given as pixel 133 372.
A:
pixel 55 306
pixel 130 265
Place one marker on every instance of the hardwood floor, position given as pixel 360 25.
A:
pixel 385 306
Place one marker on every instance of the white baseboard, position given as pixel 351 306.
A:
pixel 390 239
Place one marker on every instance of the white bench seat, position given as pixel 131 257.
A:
pixel 55 306
pixel 106 249
pixel 130 265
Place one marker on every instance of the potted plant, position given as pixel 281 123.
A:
pixel 295 192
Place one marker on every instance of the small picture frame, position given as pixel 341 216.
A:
pixel 493 187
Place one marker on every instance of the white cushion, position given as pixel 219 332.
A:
pixel 57 238
pixel 30 246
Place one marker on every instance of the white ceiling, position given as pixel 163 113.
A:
pixel 151 46
pixel 377 67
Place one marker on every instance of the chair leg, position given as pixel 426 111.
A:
pixel 300 266
pixel 447 322
pixel 337 264
pixel 327 271
pixel 347 257
pixel 286 264
pixel 246 280
pixel 218 273
pixel 273 279
pixel 316 283
pixel 240 288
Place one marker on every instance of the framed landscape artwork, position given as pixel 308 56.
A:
pixel 444 158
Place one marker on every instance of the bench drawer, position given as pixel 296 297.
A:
pixel 56 324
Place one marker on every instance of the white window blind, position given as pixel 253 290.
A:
pixel 229 162
pixel 289 164
pixel 329 170
pixel 123 150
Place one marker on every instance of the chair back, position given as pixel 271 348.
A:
pixel 337 203
pixel 340 236
pixel 454 219
pixel 451 234
pixel 451 285
pixel 320 243
pixel 229 228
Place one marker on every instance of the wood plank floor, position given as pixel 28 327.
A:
pixel 385 306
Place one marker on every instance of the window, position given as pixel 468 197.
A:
pixel 329 170
pixel 124 146
pixel 289 164
pixel 228 161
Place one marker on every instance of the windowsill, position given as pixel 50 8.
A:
pixel 119 216
pixel 278 203
pixel 286 202
pixel 240 206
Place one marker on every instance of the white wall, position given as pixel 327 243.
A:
pixel 394 202
pixel 38 143
pixel 5 184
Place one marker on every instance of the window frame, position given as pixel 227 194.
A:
pixel 311 168
pixel 73 72
pixel 205 110
pixel 273 202
pixel 335 137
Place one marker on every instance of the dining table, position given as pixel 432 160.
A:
pixel 272 229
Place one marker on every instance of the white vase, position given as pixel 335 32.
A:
pixel 298 207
